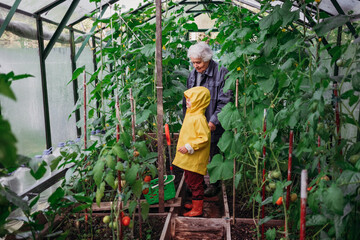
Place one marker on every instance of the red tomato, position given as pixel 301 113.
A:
pixel 145 191
pixel 126 221
pixel 279 202
pixel 147 178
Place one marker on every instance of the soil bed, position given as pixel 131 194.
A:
pixel 244 231
pixel 151 229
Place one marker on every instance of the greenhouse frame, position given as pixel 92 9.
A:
pixel 91 107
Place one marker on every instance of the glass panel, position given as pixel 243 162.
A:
pixel 60 95
pixel 26 115
pixel 84 59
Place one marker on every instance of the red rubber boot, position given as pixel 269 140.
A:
pixel 188 206
pixel 197 209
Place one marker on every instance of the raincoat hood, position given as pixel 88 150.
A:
pixel 199 98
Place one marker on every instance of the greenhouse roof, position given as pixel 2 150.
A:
pixel 54 11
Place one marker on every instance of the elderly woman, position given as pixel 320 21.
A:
pixel 207 73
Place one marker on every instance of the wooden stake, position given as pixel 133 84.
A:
pixel 263 180
pixel 160 110
pixel 117 106
pixel 234 171
pixel 85 137
pixel 303 196
pixel 289 168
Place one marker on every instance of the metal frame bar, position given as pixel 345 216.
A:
pixel 49 7
pixel 43 82
pixel 2 5
pixel 75 81
pixel 9 16
pixel 61 26
pixel 348 24
pixel 182 2
pixel 85 17
pixel 88 36
pixel 95 69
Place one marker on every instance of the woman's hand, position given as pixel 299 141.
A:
pixel 183 150
pixel 212 126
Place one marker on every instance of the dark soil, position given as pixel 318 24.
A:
pixel 244 231
pixel 151 229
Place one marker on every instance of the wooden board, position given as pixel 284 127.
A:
pixel 197 236
pixel 270 223
pixel 106 206
pixel 198 228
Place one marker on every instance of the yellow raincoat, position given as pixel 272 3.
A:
pixel 195 132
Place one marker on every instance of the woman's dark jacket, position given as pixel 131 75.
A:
pixel 214 80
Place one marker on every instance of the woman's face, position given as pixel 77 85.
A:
pixel 199 64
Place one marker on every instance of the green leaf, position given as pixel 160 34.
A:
pixel 137 188
pixel 55 162
pixel 334 199
pixel 118 151
pixel 110 162
pixel 191 26
pixel 230 143
pixel 57 196
pixel 148 50
pixel 81 207
pixel 142 116
pixel 270 45
pixel 278 191
pixel 100 193
pixel 270 20
pixel 145 207
pixel 330 23
pixel 238 176
pixel 132 206
pixel 273 135
pixel 353 100
pixel 98 171
pixel 288 16
pixel 6 90
pixel 109 179
pixel 266 201
pixel 15 199
pixel 141 147
pixel 267 84
pixel 21 76
pixel 228 116
pixel 34 201
pixel 220 168
pixel 39 171
pixel 316 220
pixel 270 234
pixel 349 181
pixel 77 72
pixel 130 174
pixel 125 139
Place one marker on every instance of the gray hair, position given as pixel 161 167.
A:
pixel 200 50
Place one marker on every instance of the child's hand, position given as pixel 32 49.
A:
pixel 183 150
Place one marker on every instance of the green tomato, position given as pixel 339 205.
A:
pixel 340 62
pixel 140 133
pixel 275 174
pixel 314 107
pixel 106 219
pixel 272 185
pixel 354 158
